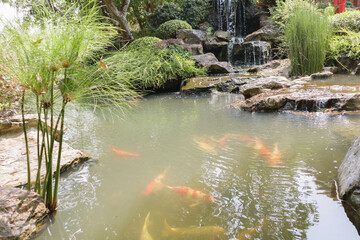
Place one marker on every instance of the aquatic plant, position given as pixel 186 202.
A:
pixel 52 61
pixel 307 33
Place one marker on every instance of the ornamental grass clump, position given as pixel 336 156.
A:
pixel 51 60
pixel 307 33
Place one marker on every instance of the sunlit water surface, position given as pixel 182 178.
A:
pixel 289 199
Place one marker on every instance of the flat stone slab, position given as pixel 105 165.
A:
pixel 13 158
pixel 22 213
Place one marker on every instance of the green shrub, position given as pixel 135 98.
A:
pixel 194 11
pixel 307 33
pixel 168 29
pixel 347 20
pixel 345 45
pixel 148 68
pixel 166 12
pixel 144 42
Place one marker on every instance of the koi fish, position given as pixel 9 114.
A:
pixel 274 156
pixel 124 153
pixel 248 234
pixel 222 141
pixel 155 185
pixel 206 144
pixel 192 194
pixel 156 228
pixel 261 148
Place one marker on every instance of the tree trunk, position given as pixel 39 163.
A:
pixel 120 16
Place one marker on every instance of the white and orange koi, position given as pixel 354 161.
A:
pixel 155 185
pixel 206 144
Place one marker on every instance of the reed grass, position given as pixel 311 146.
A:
pixel 307 33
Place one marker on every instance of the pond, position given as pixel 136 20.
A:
pixel 260 175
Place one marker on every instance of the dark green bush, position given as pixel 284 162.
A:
pixel 146 68
pixel 168 29
pixel 194 11
pixel 347 20
pixel 166 12
pixel 144 42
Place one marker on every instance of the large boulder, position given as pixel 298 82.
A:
pixel 267 33
pixel 191 36
pixel 194 49
pixel 273 68
pixel 22 213
pixel 251 53
pixel 222 36
pixel 210 61
pixel 219 49
pixel 348 177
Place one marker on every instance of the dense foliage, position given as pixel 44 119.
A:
pixel 307 33
pixel 168 29
pixel 152 67
pixel 346 21
pixel 166 12
pixel 194 11
pixel 144 42
pixel 11 92
pixel 345 45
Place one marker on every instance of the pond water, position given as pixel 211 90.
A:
pixel 267 175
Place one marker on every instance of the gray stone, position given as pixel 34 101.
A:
pixel 268 33
pixel 191 36
pixel 222 36
pixel 219 49
pixel 22 213
pixel 321 75
pixel 348 177
pixel 194 49
pixel 273 68
pixel 13 158
pixel 210 61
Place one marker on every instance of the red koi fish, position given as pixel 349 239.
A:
pixel 124 153
pixel 192 194
pixel 155 185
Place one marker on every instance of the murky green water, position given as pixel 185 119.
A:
pixel 286 198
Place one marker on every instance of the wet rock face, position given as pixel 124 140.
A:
pixel 191 36
pixel 273 68
pixel 348 177
pixel 266 33
pixel 251 53
pixel 22 213
pixel 210 61
pixel 219 49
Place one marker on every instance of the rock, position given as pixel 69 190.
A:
pixel 222 36
pixel 309 97
pixel 250 53
pixel 22 213
pixel 194 49
pixel 205 27
pixel 273 68
pixel 321 75
pixel 357 70
pixel 191 36
pixel 13 160
pixel 268 33
pixel 348 177
pixel 210 61
pixel 219 49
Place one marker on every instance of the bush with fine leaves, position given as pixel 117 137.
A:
pixel 349 20
pixel 144 42
pixel 168 29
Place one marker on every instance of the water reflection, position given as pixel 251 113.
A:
pixel 105 199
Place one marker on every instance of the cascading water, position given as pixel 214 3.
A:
pixel 231 17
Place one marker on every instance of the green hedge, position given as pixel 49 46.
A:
pixel 346 45
pixel 347 20
pixel 144 42
pixel 168 29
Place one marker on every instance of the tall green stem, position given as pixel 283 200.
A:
pixel 26 141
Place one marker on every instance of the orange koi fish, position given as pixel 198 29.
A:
pixel 206 144
pixel 222 141
pixel 274 156
pixel 124 153
pixel 261 148
pixel 248 234
pixel 192 194
pixel 155 185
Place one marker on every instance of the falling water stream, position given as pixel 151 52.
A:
pixel 290 198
